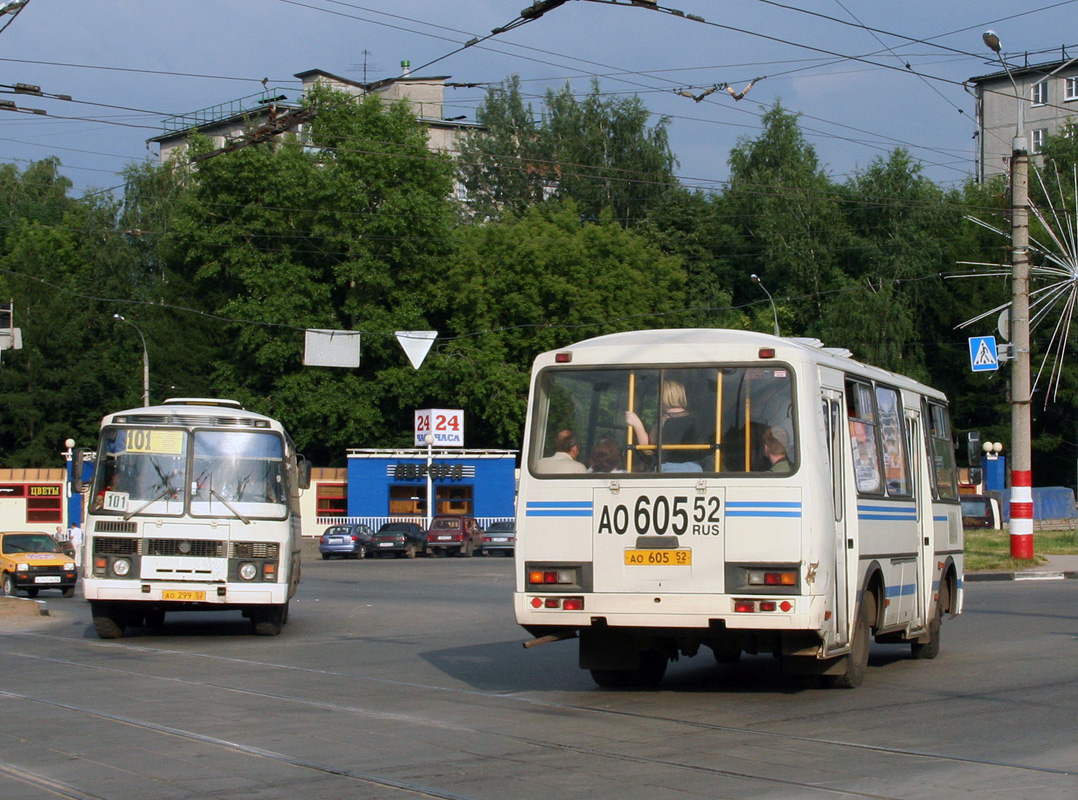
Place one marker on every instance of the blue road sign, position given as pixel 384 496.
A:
pixel 983 356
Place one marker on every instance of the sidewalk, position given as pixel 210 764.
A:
pixel 1058 568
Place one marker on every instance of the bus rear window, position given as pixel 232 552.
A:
pixel 713 420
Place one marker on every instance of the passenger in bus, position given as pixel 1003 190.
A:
pixel 566 450
pixel 677 425
pixel 776 442
pixel 606 456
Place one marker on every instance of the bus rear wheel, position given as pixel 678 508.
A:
pixel 857 661
pixel 931 648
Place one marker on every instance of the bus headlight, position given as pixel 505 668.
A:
pixel 248 571
pixel 121 567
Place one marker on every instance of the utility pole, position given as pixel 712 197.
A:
pixel 1021 389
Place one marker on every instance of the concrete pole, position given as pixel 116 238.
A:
pixel 1021 390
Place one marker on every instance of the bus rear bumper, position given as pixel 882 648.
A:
pixel 677 611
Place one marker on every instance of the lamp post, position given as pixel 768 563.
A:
pixel 774 311
pixel 145 359
pixel 429 439
pixel 1021 391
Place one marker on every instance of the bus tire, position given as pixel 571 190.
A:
pixel 268 620
pixel 857 661
pixel 931 648
pixel 110 620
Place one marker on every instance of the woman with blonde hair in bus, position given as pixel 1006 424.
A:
pixel 676 426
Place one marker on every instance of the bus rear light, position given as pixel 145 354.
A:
pixel 754 606
pixel 786 605
pixel 563 358
pixel 768 605
pixel 767 352
pixel 766 578
pixel 563 603
pixel 551 576
pixel 744 606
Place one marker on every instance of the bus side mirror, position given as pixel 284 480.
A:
pixel 78 458
pixel 973 447
pixel 303 470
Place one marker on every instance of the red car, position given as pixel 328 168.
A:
pixel 454 534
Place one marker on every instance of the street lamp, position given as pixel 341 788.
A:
pixel 429 439
pixel 1021 391
pixel 774 311
pixel 145 359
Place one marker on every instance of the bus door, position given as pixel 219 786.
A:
pixel 834 417
pixel 925 522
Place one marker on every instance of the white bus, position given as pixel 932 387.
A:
pixel 194 505
pixel 736 490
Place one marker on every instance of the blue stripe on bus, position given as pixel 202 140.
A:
pixel 939 519
pixel 747 508
pixel 887 513
pixel 556 509
pixel 901 591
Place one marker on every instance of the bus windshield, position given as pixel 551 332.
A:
pixel 211 473
pixel 714 420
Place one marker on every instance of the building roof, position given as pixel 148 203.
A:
pixel 1046 67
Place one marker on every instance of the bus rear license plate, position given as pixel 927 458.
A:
pixel 182 594
pixel 658 558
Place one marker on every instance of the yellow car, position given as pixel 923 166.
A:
pixel 33 561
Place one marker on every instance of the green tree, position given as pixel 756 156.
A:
pixel 543 281
pixel 601 152
pixel 789 221
pixel 347 231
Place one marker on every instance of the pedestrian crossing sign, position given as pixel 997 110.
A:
pixel 983 356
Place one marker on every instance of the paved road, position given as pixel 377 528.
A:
pixel 406 679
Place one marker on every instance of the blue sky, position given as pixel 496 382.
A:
pixel 861 92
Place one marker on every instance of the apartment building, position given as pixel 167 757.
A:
pixel 1036 97
pixel 274 111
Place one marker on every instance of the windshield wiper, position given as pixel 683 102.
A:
pixel 228 505
pixel 161 496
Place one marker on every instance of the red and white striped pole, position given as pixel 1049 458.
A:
pixel 1021 389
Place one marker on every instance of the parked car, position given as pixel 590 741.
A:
pixel 32 561
pixel 454 534
pixel 981 511
pixel 346 541
pixel 404 539
pixel 500 537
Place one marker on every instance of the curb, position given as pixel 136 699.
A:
pixel 1027 575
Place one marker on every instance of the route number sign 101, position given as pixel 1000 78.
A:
pixel 446 425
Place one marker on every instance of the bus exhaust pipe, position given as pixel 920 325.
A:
pixel 553 637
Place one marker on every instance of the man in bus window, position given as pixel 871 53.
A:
pixel 566 450
pixel 775 446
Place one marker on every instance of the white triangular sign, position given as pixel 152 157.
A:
pixel 416 344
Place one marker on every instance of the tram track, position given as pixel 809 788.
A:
pixel 500 697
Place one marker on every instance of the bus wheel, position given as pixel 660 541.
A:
pixel 931 648
pixel 857 660
pixel 109 620
pixel 649 674
pixel 8 585
pixel 268 620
